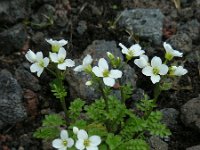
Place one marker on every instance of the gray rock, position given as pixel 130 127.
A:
pixel 186 13
pixel 190 113
pixel 13 38
pixel 82 26
pixel 197 147
pixel 27 79
pixel 181 42
pixel 97 50
pixel 12 10
pixel 170 116
pixel 11 106
pixel 192 28
pixel 146 23
pixel 157 144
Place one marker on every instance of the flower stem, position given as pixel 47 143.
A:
pixel 122 92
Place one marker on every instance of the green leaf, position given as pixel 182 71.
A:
pixel 134 144
pixel 75 109
pixel 127 91
pixel 113 141
pixel 50 127
pixel 58 89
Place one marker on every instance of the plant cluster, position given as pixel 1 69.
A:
pixel 107 123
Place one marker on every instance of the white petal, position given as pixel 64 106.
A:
pixel 180 71
pixel 62 66
pixel 64 135
pixel 142 62
pixel 46 61
pixel 167 47
pixel 95 140
pixel 39 72
pixel 39 56
pixel 124 48
pixel 138 52
pixel 115 74
pixel 103 64
pixel 109 81
pixel 79 144
pixel 34 67
pixel 75 130
pixel 62 42
pixel 69 63
pixel 63 148
pixel 62 53
pixel 70 142
pixel 156 61
pixel 57 143
pixel 50 41
pixel 78 68
pixel 53 57
pixel 163 69
pixel 177 53
pixel 148 71
pixel 82 134
pixel 97 71
pixel 92 148
pixel 87 60
pixel 135 47
pixel 155 78
pixel 30 56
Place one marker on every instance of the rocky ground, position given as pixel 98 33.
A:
pixel 95 27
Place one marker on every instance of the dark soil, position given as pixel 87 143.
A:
pixel 99 15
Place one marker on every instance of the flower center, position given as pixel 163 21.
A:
pixel 41 63
pixel 64 142
pixel 106 73
pixel 55 48
pixel 131 53
pixel 86 143
pixel 61 60
pixel 156 71
pixel 169 56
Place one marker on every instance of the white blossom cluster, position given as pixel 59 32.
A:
pixel 83 140
pixel 155 68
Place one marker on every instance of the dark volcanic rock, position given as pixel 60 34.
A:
pixel 170 116
pixel 194 148
pixel 157 144
pixel 13 39
pixel 27 79
pixel 12 10
pixel 146 23
pixel 11 106
pixel 192 28
pixel 181 42
pixel 190 113
pixel 97 50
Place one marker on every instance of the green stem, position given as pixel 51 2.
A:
pixel 122 92
pixel 53 73
pixel 104 96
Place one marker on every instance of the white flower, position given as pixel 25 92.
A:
pixel 142 62
pixel 170 52
pixel 155 70
pixel 39 63
pixel 75 130
pixel 85 142
pixel 88 83
pixel 178 71
pixel 103 71
pixel 60 59
pixel 56 45
pixel 86 62
pixel 64 142
pixel 133 51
